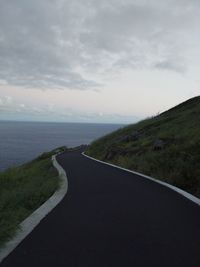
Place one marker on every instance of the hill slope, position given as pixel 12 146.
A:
pixel 23 189
pixel 166 147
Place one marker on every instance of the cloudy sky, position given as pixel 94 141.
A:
pixel 97 61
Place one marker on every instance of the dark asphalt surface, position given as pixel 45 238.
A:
pixel 112 218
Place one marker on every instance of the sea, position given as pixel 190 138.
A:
pixel 23 141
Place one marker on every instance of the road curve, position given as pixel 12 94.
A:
pixel 110 217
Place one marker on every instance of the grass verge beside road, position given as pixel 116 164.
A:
pixel 166 146
pixel 23 189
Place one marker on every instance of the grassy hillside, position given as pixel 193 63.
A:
pixel 23 189
pixel 166 147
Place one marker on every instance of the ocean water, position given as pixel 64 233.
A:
pixel 23 141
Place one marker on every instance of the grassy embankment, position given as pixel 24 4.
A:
pixel 166 146
pixel 23 189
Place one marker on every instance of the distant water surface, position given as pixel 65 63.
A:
pixel 22 141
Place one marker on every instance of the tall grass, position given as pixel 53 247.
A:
pixel 22 190
pixel 178 162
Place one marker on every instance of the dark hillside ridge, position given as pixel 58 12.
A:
pixel 166 146
pixel 190 103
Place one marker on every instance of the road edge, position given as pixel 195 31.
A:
pixel 187 195
pixel 27 226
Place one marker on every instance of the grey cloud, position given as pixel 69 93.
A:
pixel 52 44
pixel 38 47
pixel 8 105
pixel 141 35
pixel 170 65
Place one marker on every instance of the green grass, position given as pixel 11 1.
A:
pixel 177 163
pixel 22 190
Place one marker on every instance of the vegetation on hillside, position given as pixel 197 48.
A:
pixel 23 189
pixel 166 146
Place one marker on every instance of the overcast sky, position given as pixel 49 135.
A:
pixel 97 61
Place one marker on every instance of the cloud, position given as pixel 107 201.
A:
pixel 141 34
pixel 170 65
pixel 11 109
pixel 61 44
pixel 38 48
pixel 6 101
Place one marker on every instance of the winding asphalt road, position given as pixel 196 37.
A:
pixel 110 217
